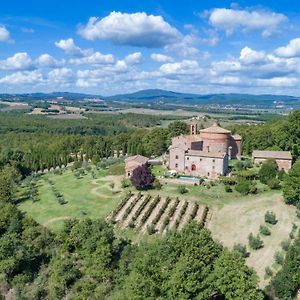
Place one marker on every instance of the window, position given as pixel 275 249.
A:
pixel 213 167
pixel 176 165
pixel 193 167
pixel 208 174
pixel 214 160
pixel 200 159
pixel 188 158
pixel 176 157
pixel 186 167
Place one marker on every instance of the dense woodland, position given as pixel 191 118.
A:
pixel 86 260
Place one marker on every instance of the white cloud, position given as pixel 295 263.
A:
pixel 249 56
pixel 185 67
pixel 26 77
pixel 133 58
pixel 19 61
pixel 290 50
pixel 61 76
pixel 4 34
pixel 137 29
pixel 96 58
pixel 161 58
pixel 48 61
pixel 230 20
pixel 69 47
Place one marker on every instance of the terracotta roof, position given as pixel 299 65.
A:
pixel 215 128
pixel 137 158
pixel 237 137
pixel 206 154
pixel 272 154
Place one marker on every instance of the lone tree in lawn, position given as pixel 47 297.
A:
pixel 142 178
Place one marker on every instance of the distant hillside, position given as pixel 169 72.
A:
pixel 194 99
pixel 158 97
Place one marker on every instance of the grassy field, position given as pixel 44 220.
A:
pixel 86 196
pixel 231 219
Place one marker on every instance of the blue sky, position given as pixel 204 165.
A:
pixel 109 47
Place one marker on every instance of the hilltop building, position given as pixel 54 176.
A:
pixel 204 153
pixel 133 162
pixel 283 158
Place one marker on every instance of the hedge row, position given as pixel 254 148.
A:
pixel 170 215
pixel 150 209
pixel 139 210
pixel 181 214
pixel 121 205
pixel 194 212
pixel 161 211
pixel 204 215
pixel 131 206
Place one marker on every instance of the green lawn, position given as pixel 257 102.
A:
pixel 86 196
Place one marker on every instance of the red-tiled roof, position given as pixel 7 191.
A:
pixel 215 128
pixel 137 158
pixel 272 154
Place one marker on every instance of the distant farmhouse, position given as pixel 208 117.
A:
pixel 283 158
pixel 133 162
pixel 204 153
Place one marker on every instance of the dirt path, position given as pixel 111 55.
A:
pixel 50 221
pixel 105 182
pixel 159 224
pixel 133 211
pixel 153 214
pixel 186 216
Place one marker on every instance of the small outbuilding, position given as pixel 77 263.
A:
pixel 283 158
pixel 133 162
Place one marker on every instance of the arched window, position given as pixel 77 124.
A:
pixel 193 167
pixel 176 157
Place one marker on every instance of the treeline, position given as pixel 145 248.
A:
pixel 39 143
pixel 280 134
pixel 86 260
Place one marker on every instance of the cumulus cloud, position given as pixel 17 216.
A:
pixel 133 58
pixel 290 50
pixel 96 58
pixel 4 34
pixel 48 61
pixel 230 20
pixel 19 61
pixel 249 56
pixel 137 29
pixel 69 47
pixel 26 77
pixel 185 67
pixel 161 58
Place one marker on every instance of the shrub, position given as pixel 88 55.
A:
pixel 279 258
pixel 264 230
pixel 267 171
pixel 151 229
pixel 255 242
pixel 285 245
pixel 270 218
pixel 156 184
pixel 182 189
pixel 228 188
pixel 246 187
pixel 281 175
pixel 268 271
pixel 125 183
pixel 242 249
pixel 274 184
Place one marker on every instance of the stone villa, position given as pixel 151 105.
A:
pixel 133 162
pixel 204 153
pixel 283 158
